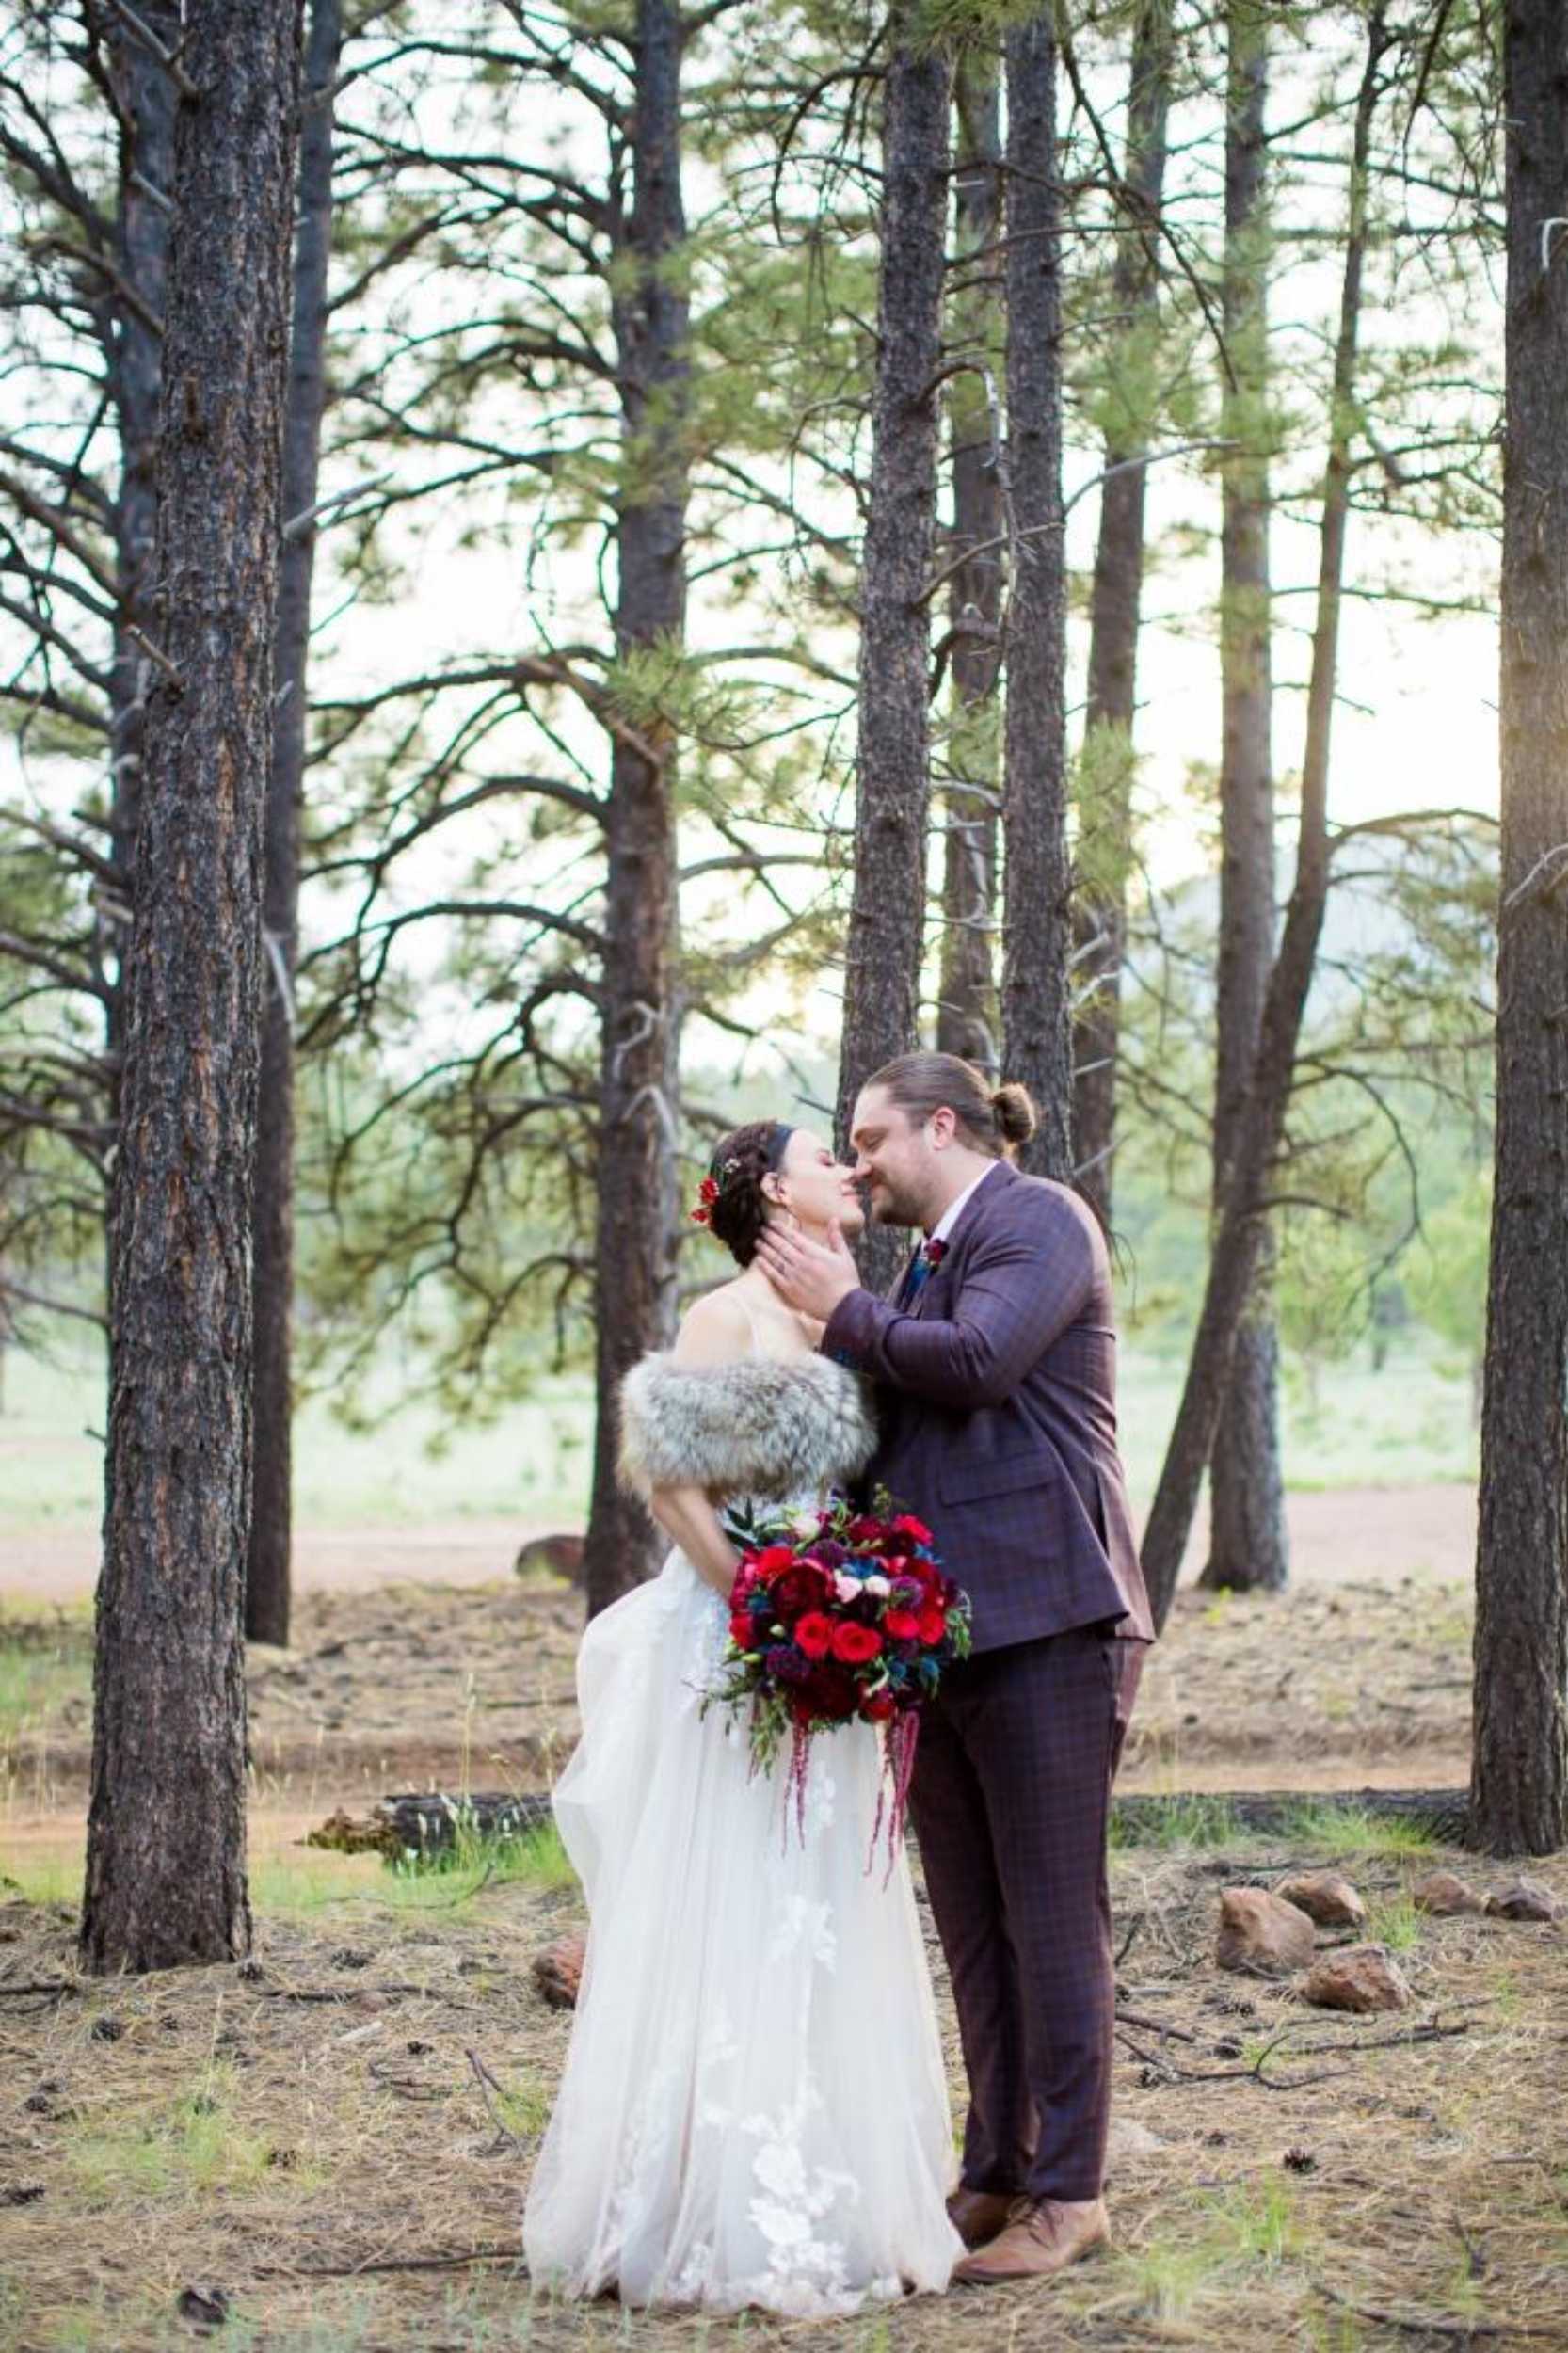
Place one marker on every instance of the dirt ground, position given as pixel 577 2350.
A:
pixel 1342 1684
pixel 335 2137
pixel 1382 1532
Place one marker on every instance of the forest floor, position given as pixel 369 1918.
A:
pixel 338 2134
pixel 326 2149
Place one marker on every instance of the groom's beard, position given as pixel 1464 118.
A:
pixel 892 1208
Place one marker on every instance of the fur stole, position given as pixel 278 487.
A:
pixel 755 1427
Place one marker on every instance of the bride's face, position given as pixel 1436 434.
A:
pixel 815 1187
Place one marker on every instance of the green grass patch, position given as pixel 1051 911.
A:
pixel 1356 1830
pixel 49 1876
pixel 1165 2278
pixel 192 2148
pixel 1394 1921
pixel 1189 1820
pixel 1257 2223
pixel 44 1662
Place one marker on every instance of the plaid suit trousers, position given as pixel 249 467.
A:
pixel 1011 1804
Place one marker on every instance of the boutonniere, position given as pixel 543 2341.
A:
pixel 934 1253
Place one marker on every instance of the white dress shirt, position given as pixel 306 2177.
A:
pixel 954 1209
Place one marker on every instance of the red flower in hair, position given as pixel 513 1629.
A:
pixel 707 1193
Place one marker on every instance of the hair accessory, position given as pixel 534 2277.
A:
pixel 707 1193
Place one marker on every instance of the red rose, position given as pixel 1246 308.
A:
pixel 814 1634
pixel 903 1624
pixel 907 1526
pixel 831 1692
pixel 800 1588
pixel 856 1643
pixel 773 1558
pixel 877 1709
pixel 934 1625
pixel 739 1628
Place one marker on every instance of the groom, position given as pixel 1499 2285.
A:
pixel 996 1357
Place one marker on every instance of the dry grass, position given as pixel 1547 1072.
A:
pixel 285 2129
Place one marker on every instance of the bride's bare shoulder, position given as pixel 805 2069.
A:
pixel 714 1330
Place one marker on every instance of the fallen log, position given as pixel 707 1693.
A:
pixel 428 1821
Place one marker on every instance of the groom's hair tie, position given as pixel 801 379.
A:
pixel 994 1119
pixel 731 1201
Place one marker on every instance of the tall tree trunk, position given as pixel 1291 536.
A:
pixel 266 1581
pixel 1247 1542
pixel 1105 806
pixel 1036 882
pixel 967 993
pixel 165 1878
pixel 887 923
pixel 1240 1231
pixel 1519 1771
pixel 637 1208
pixel 145 97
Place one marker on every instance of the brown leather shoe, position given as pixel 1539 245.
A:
pixel 979 2215
pixel 1042 2237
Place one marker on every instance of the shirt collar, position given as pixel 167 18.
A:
pixel 954 1209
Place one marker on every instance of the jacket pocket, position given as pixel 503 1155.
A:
pixel 1001 1475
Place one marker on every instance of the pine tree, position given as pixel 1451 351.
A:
pixel 165 1880
pixel 1519 1774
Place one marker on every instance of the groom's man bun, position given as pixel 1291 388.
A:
pixel 1013 1108
pixel 991 1120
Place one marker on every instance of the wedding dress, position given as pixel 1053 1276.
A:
pixel 753 2109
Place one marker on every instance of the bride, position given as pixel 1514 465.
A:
pixel 753 2109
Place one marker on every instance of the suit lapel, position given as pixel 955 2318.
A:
pixel 980 1204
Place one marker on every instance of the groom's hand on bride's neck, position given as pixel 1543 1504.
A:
pixel 810 1276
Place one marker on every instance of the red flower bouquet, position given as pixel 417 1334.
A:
pixel 842 1617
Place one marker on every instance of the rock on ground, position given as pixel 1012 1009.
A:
pixel 1444 1893
pixel 1262 1931
pixel 1523 1899
pixel 1326 1896
pixel 1359 1978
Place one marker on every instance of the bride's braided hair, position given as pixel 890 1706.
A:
pixel 741 1159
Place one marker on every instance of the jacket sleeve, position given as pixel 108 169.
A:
pixel 1020 1291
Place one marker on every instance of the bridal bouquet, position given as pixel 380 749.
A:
pixel 841 1616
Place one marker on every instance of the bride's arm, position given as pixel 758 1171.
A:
pixel 712 1332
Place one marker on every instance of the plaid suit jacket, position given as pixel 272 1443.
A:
pixel 996 1394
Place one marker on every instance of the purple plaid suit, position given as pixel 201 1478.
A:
pixel 998 1428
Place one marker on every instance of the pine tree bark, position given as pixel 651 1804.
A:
pixel 165 1878
pixel 967 1018
pixel 1519 1768
pixel 638 1208
pixel 266 1581
pixel 1248 1549
pixel 1099 927
pixel 1241 1227
pixel 886 922
pixel 145 102
pixel 1037 1014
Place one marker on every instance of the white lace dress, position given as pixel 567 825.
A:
pixel 753 2109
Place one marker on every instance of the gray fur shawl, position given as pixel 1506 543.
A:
pixel 756 1427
